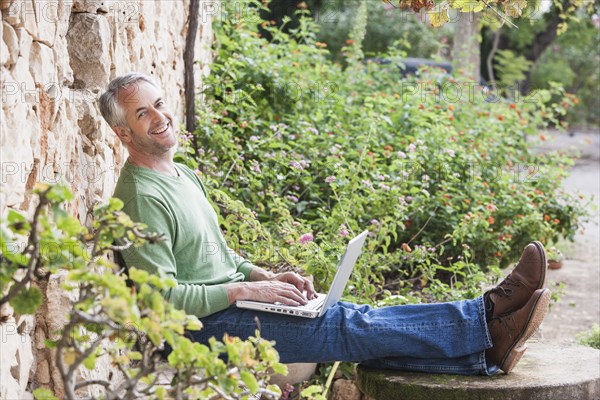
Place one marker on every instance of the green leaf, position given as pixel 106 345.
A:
pixel 311 391
pixel 250 381
pixel 44 394
pixel 27 301
pixel 279 368
pixel 115 204
pixel 90 362
pixel 161 392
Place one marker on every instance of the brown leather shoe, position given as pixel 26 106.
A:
pixel 510 332
pixel 528 276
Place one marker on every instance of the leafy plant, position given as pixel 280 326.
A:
pixel 511 67
pixel 120 316
pixel 590 338
pixel 303 153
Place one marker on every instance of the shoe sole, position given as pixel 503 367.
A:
pixel 533 323
pixel 542 251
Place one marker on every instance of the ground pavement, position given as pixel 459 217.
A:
pixel 579 305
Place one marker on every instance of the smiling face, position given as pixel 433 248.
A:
pixel 149 131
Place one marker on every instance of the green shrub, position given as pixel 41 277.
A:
pixel 591 338
pixel 447 185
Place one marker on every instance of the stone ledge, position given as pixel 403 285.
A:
pixel 546 372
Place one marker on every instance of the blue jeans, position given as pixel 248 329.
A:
pixel 438 338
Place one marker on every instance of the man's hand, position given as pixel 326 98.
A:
pixel 269 291
pixel 302 283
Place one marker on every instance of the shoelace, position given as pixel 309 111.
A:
pixel 504 288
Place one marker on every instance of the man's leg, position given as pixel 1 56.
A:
pixel 455 332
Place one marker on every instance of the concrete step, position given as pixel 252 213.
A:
pixel 546 372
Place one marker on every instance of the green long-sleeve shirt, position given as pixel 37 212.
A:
pixel 194 252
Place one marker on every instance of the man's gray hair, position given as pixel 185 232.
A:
pixel 110 108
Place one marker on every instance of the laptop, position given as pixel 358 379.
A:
pixel 317 306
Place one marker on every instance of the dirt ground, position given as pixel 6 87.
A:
pixel 579 306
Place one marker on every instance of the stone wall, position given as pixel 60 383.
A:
pixel 56 56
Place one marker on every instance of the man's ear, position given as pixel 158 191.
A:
pixel 123 133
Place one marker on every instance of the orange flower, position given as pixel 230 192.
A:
pixel 546 217
pixel 500 118
pixel 451 107
pixel 490 220
pixel 498 254
pixel 556 221
pixel 519 215
pixel 406 248
pixel 508 222
pixel 349 42
pixel 512 106
pixel 542 137
pixel 388 147
pixel 421 106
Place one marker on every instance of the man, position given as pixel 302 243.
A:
pixel 477 336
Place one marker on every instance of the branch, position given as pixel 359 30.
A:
pixel 102 382
pixel 219 391
pixel 490 58
pixel 88 352
pixel 188 61
pixel 32 249
pixel 423 227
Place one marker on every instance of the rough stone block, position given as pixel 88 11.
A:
pixel 41 64
pixel 9 348
pixel 345 389
pixel 88 42
pixel 546 372
pixel 297 373
pixel 89 6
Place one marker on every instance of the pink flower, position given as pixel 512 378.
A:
pixel 412 148
pixel 307 237
pixel 343 233
pixel 292 198
pixel 296 165
pixel 401 154
pixel 255 167
pixel 330 179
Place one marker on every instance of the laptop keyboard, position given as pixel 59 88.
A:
pixel 314 303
